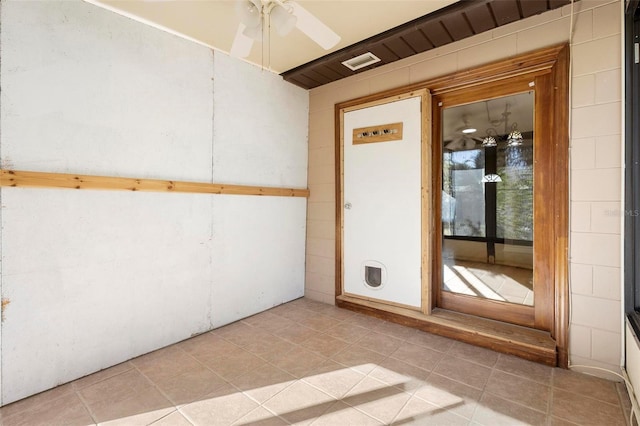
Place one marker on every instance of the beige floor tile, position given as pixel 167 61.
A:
pixel 431 341
pixel 120 387
pixel 236 365
pixel 190 386
pixel 215 356
pixel 377 399
pixel 381 343
pixel 173 419
pixel 449 395
pixel 324 345
pixel 43 398
pixel 172 362
pixel 260 417
pixel 463 371
pixel 394 330
pixel 268 321
pixel 419 412
pixel 495 411
pixel 306 303
pixel 359 358
pixel 476 354
pixel 337 313
pixel 315 306
pixel 515 288
pixel 296 333
pixel 67 409
pixel 263 382
pixel 523 391
pixel 344 415
pixel 292 312
pixel 208 345
pixel 333 378
pixel 144 407
pixel 241 334
pixel 266 346
pixel 418 356
pixel 300 403
pixel 554 421
pixel 365 321
pixel 585 411
pixel 510 283
pixel 102 375
pixel 222 407
pixel 261 318
pixel 523 368
pixel 299 361
pixel 350 333
pixel 594 387
pixel 319 322
pixel 400 374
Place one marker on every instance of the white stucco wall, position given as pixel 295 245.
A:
pixel 97 277
pixel 260 132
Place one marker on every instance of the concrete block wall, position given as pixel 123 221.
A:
pixel 596 162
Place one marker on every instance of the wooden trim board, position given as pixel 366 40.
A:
pixel 528 343
pixel 425 142
pixel 380 133
pixel 27 179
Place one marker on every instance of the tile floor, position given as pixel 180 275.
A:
pixel 310 363
pixel 496 282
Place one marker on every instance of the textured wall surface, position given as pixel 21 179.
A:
pixel 97 277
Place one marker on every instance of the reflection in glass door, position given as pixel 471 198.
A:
pixel 487 201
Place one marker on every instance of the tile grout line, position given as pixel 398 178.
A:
pixel 547 409
pixel 86 405
pixel 390 356
pixel 330 358
pixel 165 416
pixel 156 387
pixel 296 379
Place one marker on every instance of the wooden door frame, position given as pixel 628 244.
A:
pixel 551 63
pixel 540 315
pixel 425 166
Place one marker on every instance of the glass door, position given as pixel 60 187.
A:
pixel 487 208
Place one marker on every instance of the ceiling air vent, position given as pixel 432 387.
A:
pixel 361 61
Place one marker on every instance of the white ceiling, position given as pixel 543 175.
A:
pixel 214 23
pixel 489 114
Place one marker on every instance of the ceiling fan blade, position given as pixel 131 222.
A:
pixel 313 27
pixel 469 143
pixel 241 47
pixel 455 145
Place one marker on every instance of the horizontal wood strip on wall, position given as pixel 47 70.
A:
pixel 27 179
pixel 380 133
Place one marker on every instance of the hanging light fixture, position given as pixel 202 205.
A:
pixel 490 140
pixel 491 178
pixel 283 19
pixel 515 137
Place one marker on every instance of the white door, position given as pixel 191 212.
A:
pixel 382 200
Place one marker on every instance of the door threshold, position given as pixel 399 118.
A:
pixel 528 343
